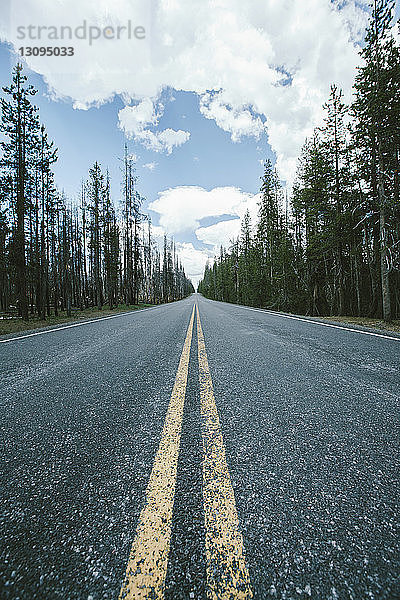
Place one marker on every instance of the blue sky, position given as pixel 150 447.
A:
pixel 202 102
pixel 209 159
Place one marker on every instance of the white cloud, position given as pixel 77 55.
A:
pixel 224 232
pixel 235 49
pixel 150 166
pixel 219 234
pixel 193 260
pixel 157 232
pixel 396 29
pixel 356 20
pixel 163 141
pixel 182 208
pixel 238 122
pixel 135 120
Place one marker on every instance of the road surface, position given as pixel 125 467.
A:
pixel 219 452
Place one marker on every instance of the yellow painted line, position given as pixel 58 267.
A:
pixel 227 573
pixel 147 565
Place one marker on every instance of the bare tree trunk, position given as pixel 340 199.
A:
pixel 20 229
pixel 386 308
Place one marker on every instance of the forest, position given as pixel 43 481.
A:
pixel 333 246
pixel 57 254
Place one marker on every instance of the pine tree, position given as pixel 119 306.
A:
pixel 19 122
pixel 377 112
pixel 95 190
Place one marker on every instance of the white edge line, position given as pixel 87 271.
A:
pixel 278 314
pixel 124 314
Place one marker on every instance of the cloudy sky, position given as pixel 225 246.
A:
pixel 210 90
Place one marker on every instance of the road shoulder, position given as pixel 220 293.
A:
pixel 364 324
pixel 34 326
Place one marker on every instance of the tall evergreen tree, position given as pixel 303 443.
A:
pixel 20 124
pixel 377 132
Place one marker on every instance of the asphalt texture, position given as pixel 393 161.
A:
pixel 310 421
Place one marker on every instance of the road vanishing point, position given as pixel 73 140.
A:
pixel 200 450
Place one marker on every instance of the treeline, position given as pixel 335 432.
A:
pixel 333 248
pixel 56 256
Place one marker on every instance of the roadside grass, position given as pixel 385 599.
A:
pixel 367 322
pixel 10 325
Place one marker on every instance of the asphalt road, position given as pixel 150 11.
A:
pixel 309 416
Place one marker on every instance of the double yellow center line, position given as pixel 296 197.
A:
pixel 227 574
